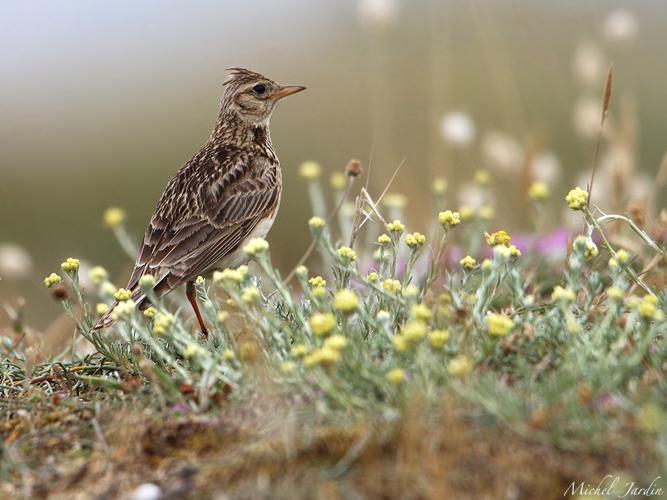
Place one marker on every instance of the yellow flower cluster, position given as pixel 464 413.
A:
pixel 577 198
pixel 482 177
pixel 299 350
pixel 162 323
pixel 337 342
pixel 316 222
pixel 396 376
pixel 648 308
pixel 317 281
pixel 231 275
pixel 460 366
pixel 487 213
pixel 498 325
pixel 52 280
pixel 147 281
pixel 325 356
pixel 396 227
pixel 123 310
pixel 101 309
pixel 395 200
pixel 415 240
pixel 98 275
pixel 322 323
pixel 439 185
pixel 337 180
pixel 70 265
pixel 255 247
pixel 421 312
pixel 384 239
pixel 193 350
pixel 615 293
pixel 438 338
pixel 346 301
pixel 565 295
pixel 391 286
pixel 449 219
pixel 498 238
pixel 310 170
pixel 468 263
pixel 122 294
pixel 466 212
pixel 347 254
pixel 586 246
pixel 538 191
pixel 113 217
pixel 250 295
pixel 150 312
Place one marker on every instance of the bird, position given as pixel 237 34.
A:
pixel 226 194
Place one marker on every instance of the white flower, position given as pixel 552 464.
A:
pixel 546 167
pixel 589 64
pixel 15 261
pixel 457 128
pixel 502 152
pixel 587 117
pixel 620 26
pixel 378 14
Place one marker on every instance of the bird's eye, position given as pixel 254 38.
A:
pixel 259 89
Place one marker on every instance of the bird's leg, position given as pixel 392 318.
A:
pixel 191 294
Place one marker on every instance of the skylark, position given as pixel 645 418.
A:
pixel 226 194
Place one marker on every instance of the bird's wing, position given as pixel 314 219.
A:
pixel 205 213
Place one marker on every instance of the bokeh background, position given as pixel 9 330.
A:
pixel 101 102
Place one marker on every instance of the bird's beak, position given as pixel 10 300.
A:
pixel 286 90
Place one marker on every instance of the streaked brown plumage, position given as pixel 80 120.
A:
pixel 224 195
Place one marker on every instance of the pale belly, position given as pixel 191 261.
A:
pixel 238 257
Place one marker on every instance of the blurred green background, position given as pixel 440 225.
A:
pixel 101 102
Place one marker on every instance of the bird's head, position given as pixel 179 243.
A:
pixel 253 97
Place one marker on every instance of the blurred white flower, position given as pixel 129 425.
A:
pixel 146 491
pixel 378 14
pixel 502 152
pixel 473 196
pixel 15 261
pixel 457 128
pixel 620 26
pixel 589 64
pixel 546 167
pixel 618 161
pixel 587 117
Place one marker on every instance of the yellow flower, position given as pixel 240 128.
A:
pixel 394 200
pixel 396 376
pixel 222 316
pixel 310 170
pixel 346 301
pixel 200 281
pixel 514 251
pixel 391 286
pixel 438 338
pixel 561 294
pixel 52 280
pixel 101 309
pixel 255 247
pixel 347 254
pixel 250 295
pixel 482 177
pixel 487 265
pixel 396 227
pixel 70 265
pixel 372 277
pixel 98 275
pixel 162 323
pixel 299 350
pixel 337 180
pixel 623 256
pixel 193 350
pixel 439 185
pixel 319 292
pixel 108 288
pixel 231 275
pixel 647 308
pixel 449 219
pixel 301 271
pixel 498 238
pixel 316 281
pixel 410 291
pixel 147 281
pixel 122 295
pixel 487 213
pixel 421 312
pixel 415 240
pixel 113 217
pixel 577 198
pixel 382 315
pixel 322 323
pixel 287 366
pixel 150 312
pixel 586 246
pixel 467 263
pixel 123 310
pixel 538 191
pixel 572 326
pixel 228 355
pixel 316 222
pixel 414 331
pixel 615 293
pixel 248 350
pixel 325 356
pixel 499 325
pixel 466 213
pixel 384 239
pixel 460 366
pixel 335 342
pixel 613 264
pixel 400 343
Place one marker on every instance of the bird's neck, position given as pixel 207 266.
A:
pixel 230 129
